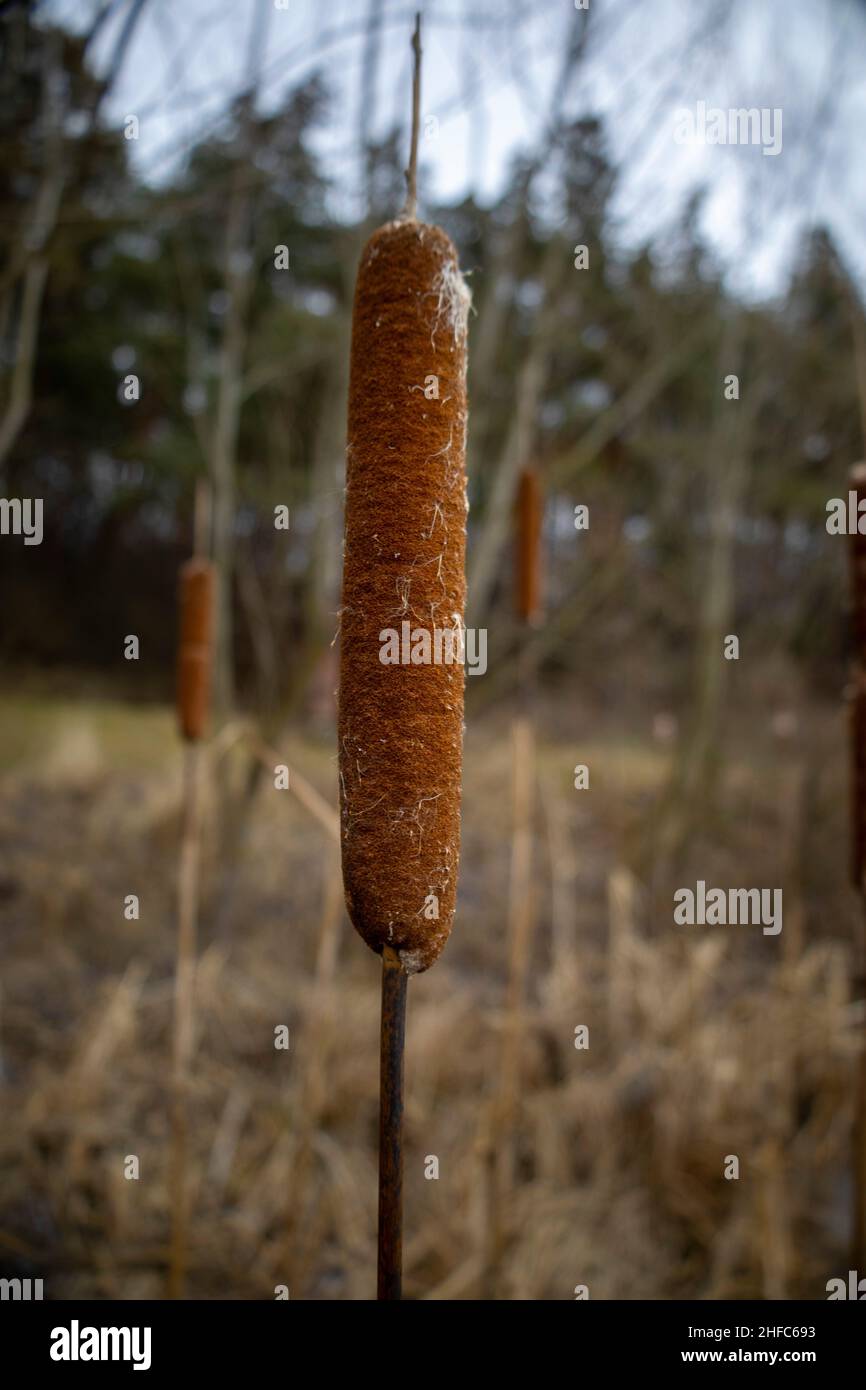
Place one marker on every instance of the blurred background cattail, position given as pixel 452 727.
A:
pixel 195 653
pixel 501 1142
pixel 194 667
pixel 530 515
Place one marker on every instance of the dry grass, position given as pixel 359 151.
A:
pixel 702 1044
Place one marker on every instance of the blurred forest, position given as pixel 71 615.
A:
pixel 706 518
pixel 610 382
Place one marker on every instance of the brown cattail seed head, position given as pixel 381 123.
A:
pixel 857 707
pixel 195 648
pixel 400 724
pixel 530 510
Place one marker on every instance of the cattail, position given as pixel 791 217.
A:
pixel 500 1146
pixel 857 735
pixel 529 517
pixel 195 650
pixel 400 724
pixel 857 704
pixel 857 718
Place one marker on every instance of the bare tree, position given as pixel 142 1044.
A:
pixel 22 285
pixel 238 271
pixel 727 473
pixel 533 373
pixel 24 281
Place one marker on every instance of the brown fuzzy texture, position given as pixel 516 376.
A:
pixel 195 648
pixel 400 727
pixel 857 709
pixel 530 509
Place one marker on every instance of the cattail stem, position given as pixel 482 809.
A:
pixel 184 1018
pixel 394 983
pixel 857 730
pixel 201 523
pixel 858 1255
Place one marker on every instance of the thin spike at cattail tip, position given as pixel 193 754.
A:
pixel 410 207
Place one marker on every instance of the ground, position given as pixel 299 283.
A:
pixel 600 1166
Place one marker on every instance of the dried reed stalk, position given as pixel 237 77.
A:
pixel 621 912
pixel 500 1142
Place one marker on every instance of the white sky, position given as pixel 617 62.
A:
pixel 489 70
